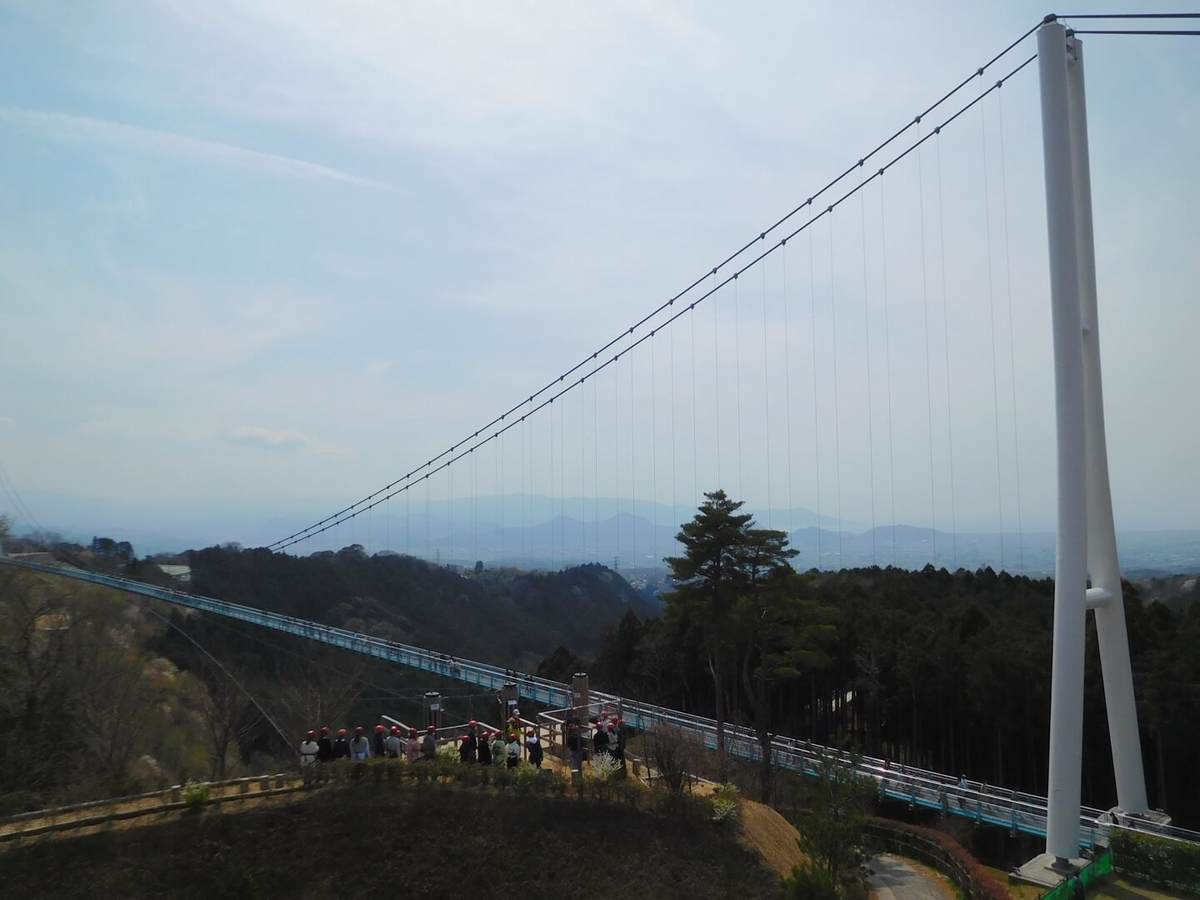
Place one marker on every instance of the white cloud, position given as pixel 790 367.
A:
pixel 268 438
pixel 64 127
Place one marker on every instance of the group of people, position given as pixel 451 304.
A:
pixel 493 748
pixel 608 739
pixel 391 743
pixel 480 745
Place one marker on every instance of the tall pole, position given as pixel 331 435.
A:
pixel 1102 563
pixel 1066 686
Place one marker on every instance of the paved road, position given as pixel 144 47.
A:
pixel 897 879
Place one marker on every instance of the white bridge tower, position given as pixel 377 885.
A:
pixel 1087 546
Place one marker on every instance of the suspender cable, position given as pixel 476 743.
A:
pixel 617 454
pixel 787 393
pixel 595 464
pixel 674 463
pixel 991 294
pixel 695 427
pixel 1012 338
pixel 766 394
pixel 717 378
pixel 946 331
pixel 474 506
pixel 928 387
pixel 812 312
pixel 737 381
pixel 653 457
pixel 862 218
pixel 500 504
pixel 837 401
pixel 562 483
pixel 583 477
pixel 887 359
pixel 633 522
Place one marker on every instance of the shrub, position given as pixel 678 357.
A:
pixel 196 794
pixel 1162 861
pixel 809 882
pixel 605 767
pixel 725 806
pixel 671 752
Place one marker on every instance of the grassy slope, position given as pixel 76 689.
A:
pixel 428 842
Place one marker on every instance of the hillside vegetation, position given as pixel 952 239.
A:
pixel 427 841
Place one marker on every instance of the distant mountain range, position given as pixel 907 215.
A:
pixel 545 532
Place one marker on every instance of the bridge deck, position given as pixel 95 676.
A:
pixel 986 804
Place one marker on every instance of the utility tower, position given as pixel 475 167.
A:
pixel 1087 546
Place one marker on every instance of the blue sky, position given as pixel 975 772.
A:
pixel 258 258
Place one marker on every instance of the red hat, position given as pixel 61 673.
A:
pixel 311 734
pixel 358 729
pixel 395 729
pixel 465 738
pixel 472 723
pixel 324 729
pixel 380 727
pixel 431 728
pixel 412 732
pixel 341 732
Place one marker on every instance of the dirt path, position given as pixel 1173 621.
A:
pixel 897 878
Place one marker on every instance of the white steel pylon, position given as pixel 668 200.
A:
pixel 1087 545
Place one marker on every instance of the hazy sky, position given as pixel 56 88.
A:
pixel 259 258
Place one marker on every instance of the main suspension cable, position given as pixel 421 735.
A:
pixel 550 385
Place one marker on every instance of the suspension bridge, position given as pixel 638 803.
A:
pixel 894 316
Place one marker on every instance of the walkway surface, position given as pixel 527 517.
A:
pixel 901 879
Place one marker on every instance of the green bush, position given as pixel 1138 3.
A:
pixel 1162 861
pixel 809 882
pixel 196 794
pixel 725 806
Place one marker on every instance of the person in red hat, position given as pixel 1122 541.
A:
pixel 393 745
pixel 377 747
pixel 360 747
pixel 470 744
pixel 324 746
pixel 341 746
pixel 533 748
pixel 308 758
pixel 412 750
pixel 484 752
pixel 498 748
pixel 429 743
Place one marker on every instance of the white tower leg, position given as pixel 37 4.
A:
pixel 1066 687
pixel 1103 567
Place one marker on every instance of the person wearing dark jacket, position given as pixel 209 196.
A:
pixel 324 745
pixel 533 747
pixel 575 747
pixel 429 743
pixel 466 753
pixel 600 741
pixel 341 746
pixel 378 746
pixel 484 750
